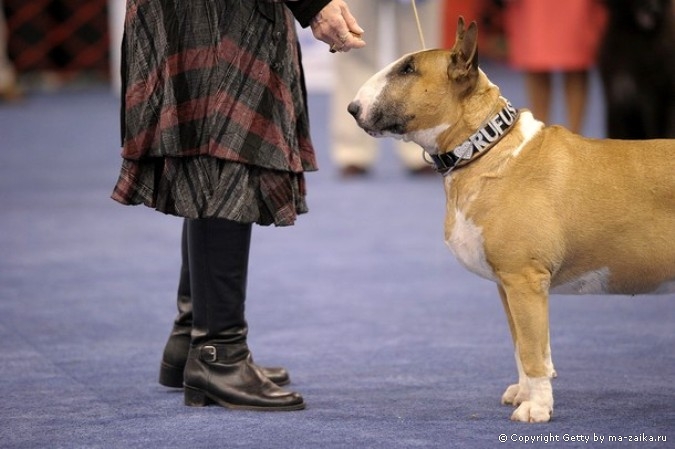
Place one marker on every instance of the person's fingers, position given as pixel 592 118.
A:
pixel 352 24
pixel 347 42
pixel 353 41
pixel 320 28
pixel 345 27
pixel 337 27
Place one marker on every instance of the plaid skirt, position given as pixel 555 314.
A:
pixel 208 187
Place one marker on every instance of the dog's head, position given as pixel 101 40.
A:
pixel 422 94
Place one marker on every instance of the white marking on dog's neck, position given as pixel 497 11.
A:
pixel 427 138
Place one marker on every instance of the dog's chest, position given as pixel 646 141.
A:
pixel 465 239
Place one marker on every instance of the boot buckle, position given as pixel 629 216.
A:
pixel 208 354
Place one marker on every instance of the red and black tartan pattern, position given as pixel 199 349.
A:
pixel 59 35
pixel 216 79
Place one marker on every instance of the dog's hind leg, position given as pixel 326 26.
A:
pixel 525 299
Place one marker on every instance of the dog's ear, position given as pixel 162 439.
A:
pixel 470 45
pixel 459 35
pixel 463 66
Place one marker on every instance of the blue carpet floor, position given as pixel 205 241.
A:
pixel 391 342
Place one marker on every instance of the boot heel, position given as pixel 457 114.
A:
pixel 196 398
pixel 170 376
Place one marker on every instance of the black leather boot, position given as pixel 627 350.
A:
pixel 220 368
pixel 223 373
pixel 177 346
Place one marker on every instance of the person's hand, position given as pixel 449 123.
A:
pixel 337 27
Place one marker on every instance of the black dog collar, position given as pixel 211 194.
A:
pixel 481 141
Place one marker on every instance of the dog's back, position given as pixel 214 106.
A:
pixel 601 227
pixel 637 66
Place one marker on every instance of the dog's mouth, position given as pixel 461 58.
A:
pixel 380 124
pixel 394 129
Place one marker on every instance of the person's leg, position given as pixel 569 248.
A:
pixel 177 346
pixel 354 151
pixel 220 367
pixel 576 95
pixel 538 86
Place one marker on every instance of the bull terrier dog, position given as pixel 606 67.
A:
pixel 534 208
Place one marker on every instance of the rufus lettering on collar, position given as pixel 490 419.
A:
pixel 479 142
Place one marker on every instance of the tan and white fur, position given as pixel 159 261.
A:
pixel 543 211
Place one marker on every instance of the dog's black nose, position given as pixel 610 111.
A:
pixel 354 108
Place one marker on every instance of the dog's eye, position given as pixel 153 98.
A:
pixel 407 68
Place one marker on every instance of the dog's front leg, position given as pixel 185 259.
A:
pixel 525 299
pixel 516 394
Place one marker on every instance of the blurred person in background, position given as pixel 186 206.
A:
pixel 637 68
pixel 549 36
pixel 393 28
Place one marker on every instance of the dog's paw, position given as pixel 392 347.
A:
pixel 530 411
pixel 515 395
